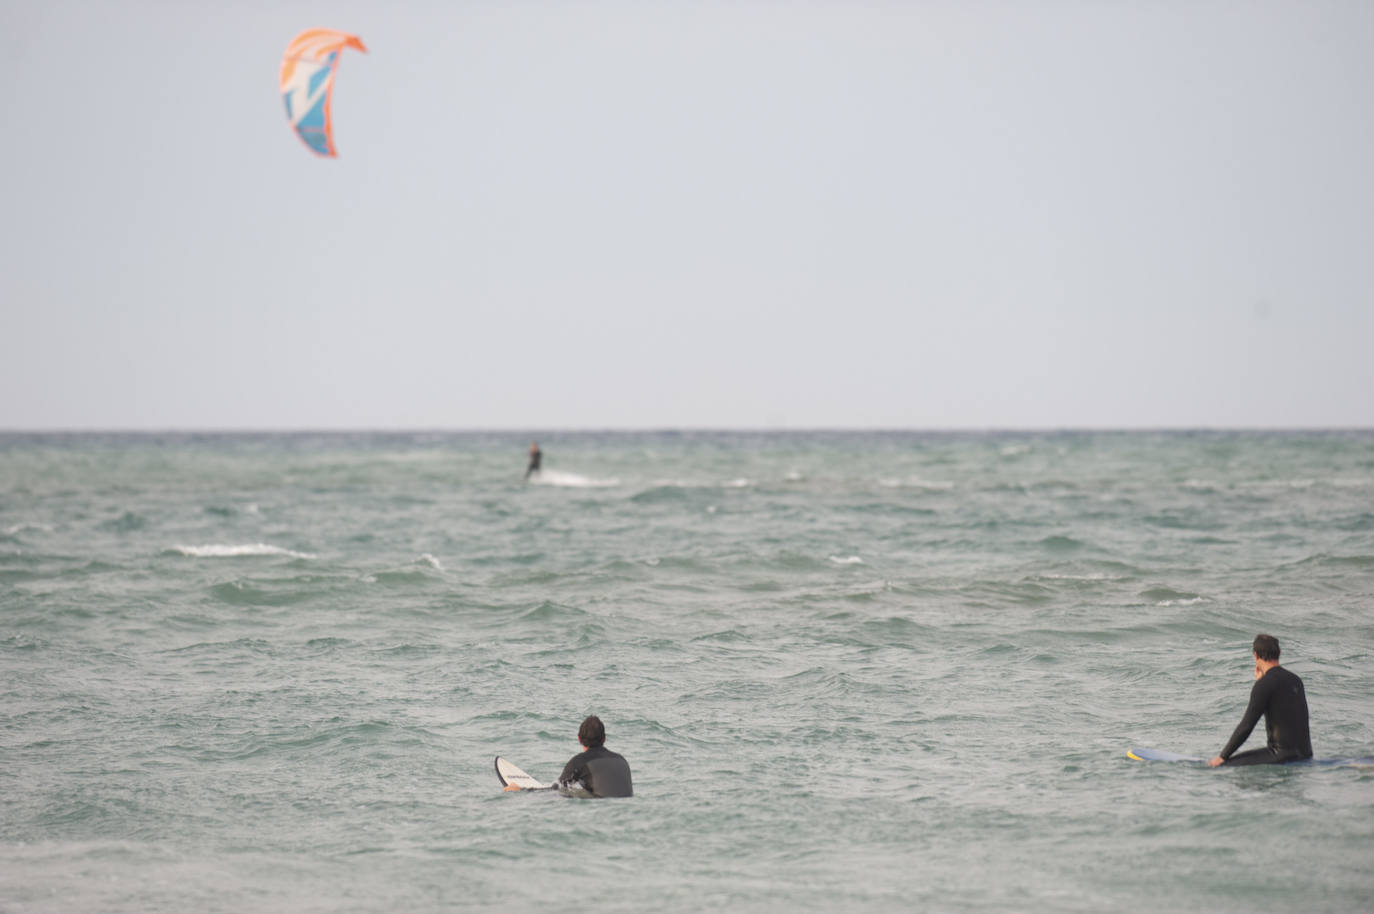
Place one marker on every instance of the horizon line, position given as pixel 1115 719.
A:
pixel 706 429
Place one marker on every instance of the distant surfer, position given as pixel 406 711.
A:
pixel 536 455
pixel 1279 696
pixel 599 771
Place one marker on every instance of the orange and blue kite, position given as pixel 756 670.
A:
pixel 307 84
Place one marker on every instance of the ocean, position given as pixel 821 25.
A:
pixel 851 671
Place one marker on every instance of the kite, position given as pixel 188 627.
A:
pixel 307 84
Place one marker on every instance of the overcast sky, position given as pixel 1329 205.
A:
pixel 962 214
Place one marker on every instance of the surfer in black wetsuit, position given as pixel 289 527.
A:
pixel 1279 696
pixel 601 772
pixel 535 456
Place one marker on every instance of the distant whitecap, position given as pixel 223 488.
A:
pixel 915 482
pixel 219 551
pixel 1189 601
pixel 16 529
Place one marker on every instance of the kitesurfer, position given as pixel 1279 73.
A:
pixel 535 456
pixel 599 771
pixel 1279 696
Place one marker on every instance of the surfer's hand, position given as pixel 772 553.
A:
pixel 1215 762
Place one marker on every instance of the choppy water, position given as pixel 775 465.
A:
pixel 851 671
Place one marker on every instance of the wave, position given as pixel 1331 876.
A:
pixel 571 480
pixel 549 611
pixel 681 489
pixel 1327 559
pixel 218 510
pixel 274 593
pixel 693 565
pixel 846 560
pixel 420 571
pixel 1167 596
pixel 666 492
pixel 1355 523
pixel 1123 570
pixel 913 482
pixel 128 522
pixel 1088 582
pixel 782 560
pixel 16 529
pixel 995 592
pixel 219 551
pixel 1061 543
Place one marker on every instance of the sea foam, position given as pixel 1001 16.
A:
pixel 571 480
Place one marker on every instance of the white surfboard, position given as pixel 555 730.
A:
pixel 514 778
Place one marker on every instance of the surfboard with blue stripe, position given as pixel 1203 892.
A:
pixel 1160 755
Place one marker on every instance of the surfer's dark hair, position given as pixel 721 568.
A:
pixel 592 733
pixel 1266 647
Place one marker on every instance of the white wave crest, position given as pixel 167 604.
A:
pixel 913 482
pixel 846 560
pixel 1186 601
pixel 20 528
pixel 571 480
pixel 220 551
pixel 429 560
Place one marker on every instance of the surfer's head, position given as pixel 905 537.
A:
pixel 1266 647
pixel 592 733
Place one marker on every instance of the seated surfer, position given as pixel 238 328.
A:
pixel 601 772
pixel 1279 696
pixel 535 456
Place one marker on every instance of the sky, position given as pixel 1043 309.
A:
pixel 654 214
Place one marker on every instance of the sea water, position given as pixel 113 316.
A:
pixel 851 671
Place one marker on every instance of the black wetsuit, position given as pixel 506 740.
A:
pixel 602 772
pixel 535 456
pixel 1280 697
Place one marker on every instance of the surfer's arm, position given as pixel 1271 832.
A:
pixel 573 771
pixel 1259 697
